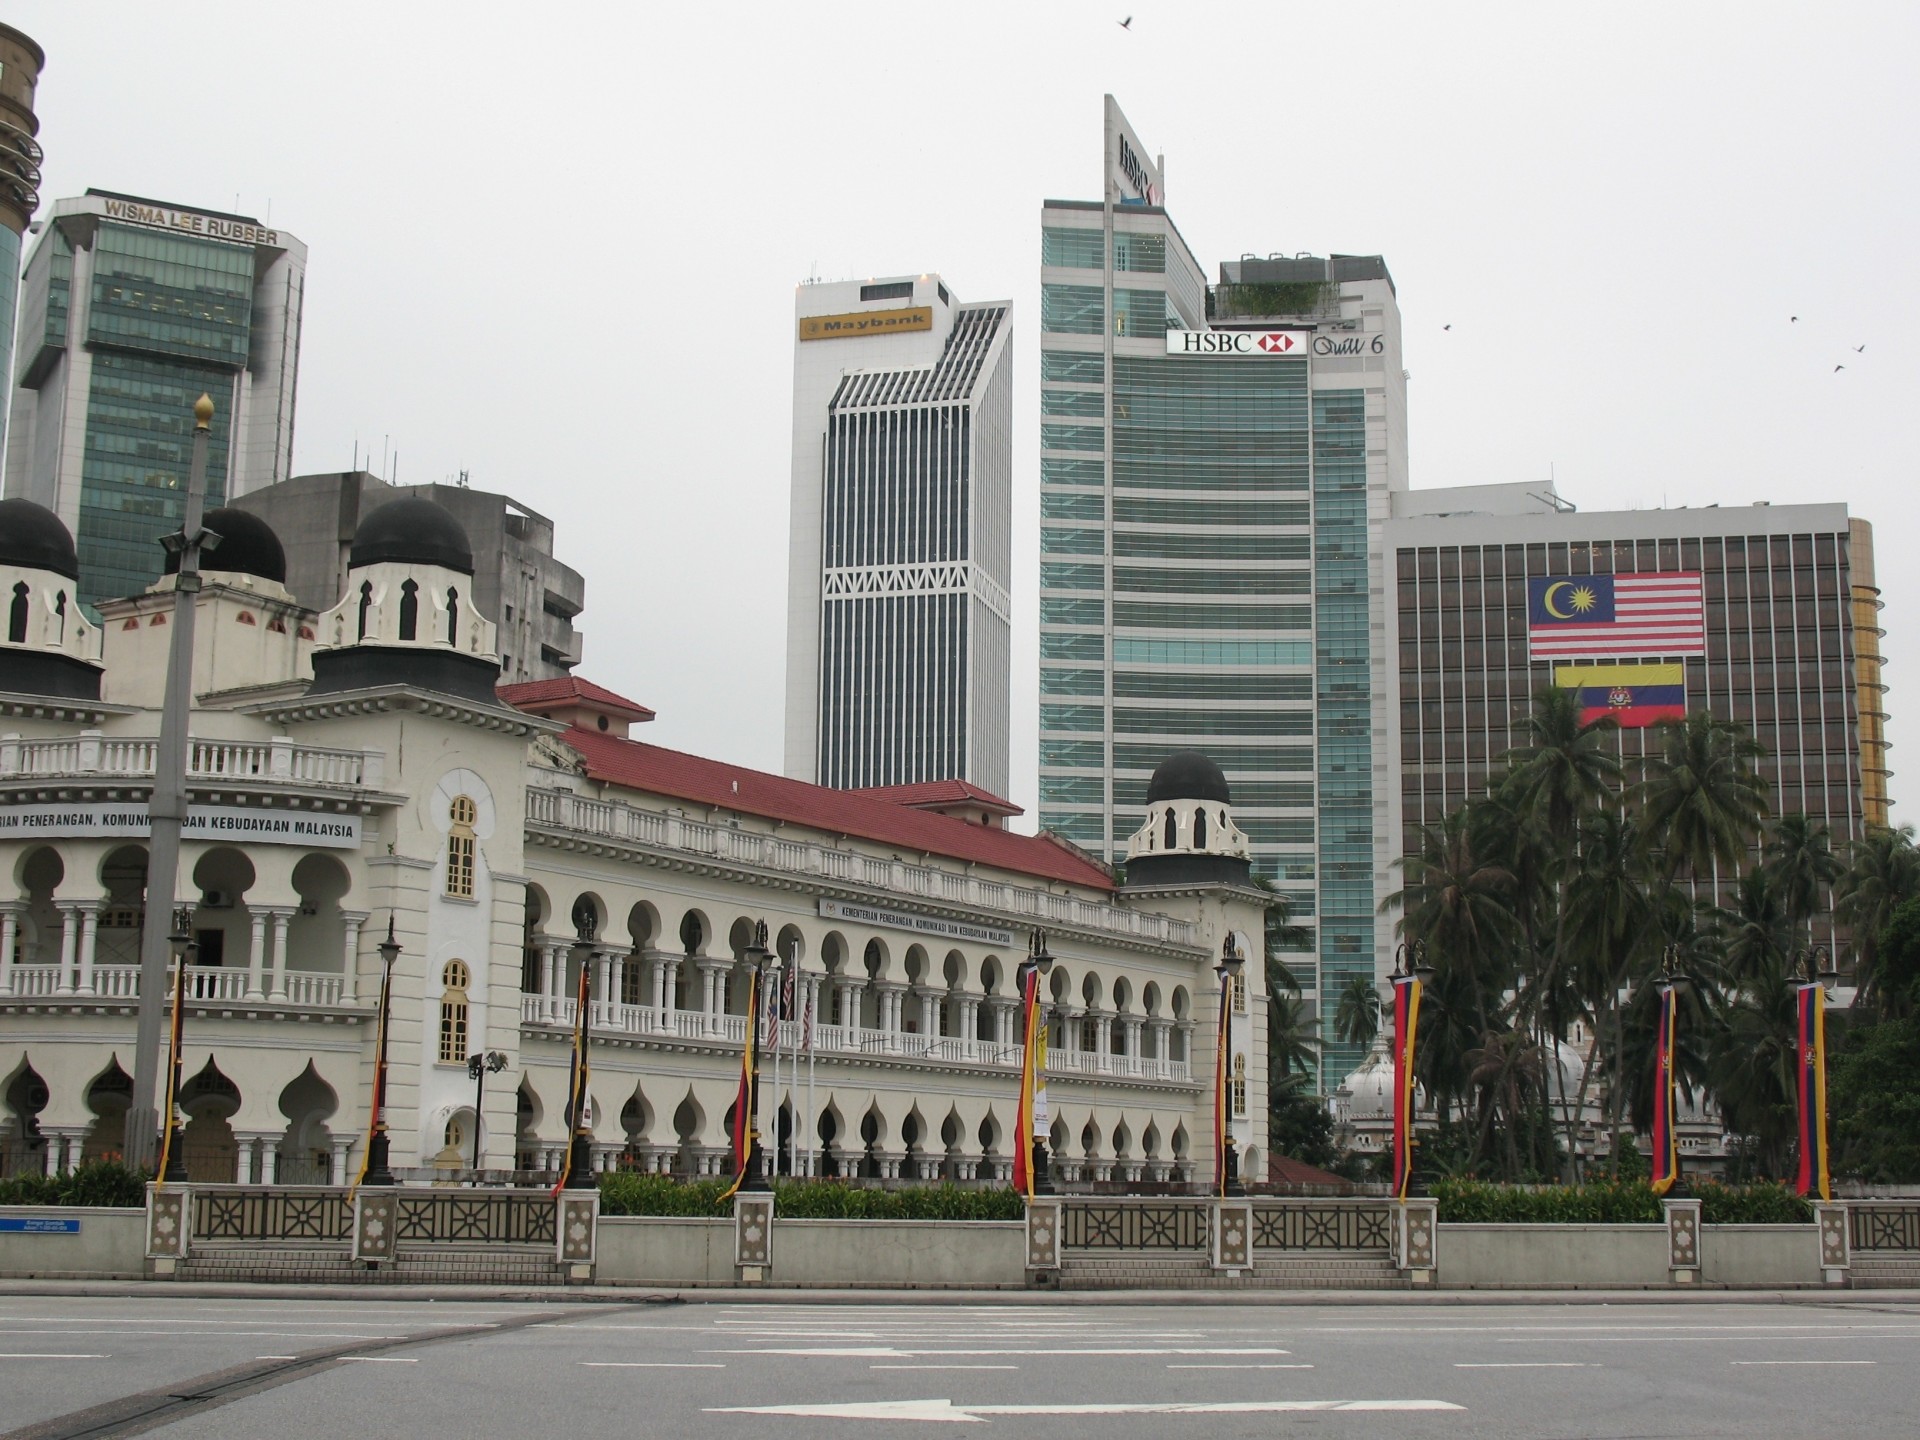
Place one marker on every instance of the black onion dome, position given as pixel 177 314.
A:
pixel 412 532
pixel 1188 775
pixel 32 537
pixel 247 546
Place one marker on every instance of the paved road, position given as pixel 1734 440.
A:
pixel 351 1368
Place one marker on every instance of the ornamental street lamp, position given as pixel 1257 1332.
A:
pixel 378 1171
pixel 173 1160
pixel 1037 965
pixel 479 1066
pixel 1818 967
pixel 1232 963
pixel 580 1147
pixel 765 964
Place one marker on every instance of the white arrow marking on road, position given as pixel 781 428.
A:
pixel 946 1410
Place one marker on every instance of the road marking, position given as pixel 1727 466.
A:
pixel 1672 1339
pixel 382 1359
pixel 1525 1365
pixel 1803 1362
pixel 653 1364
pixel 1294 1366
pixel 943 1367
pixel 976 1414
pixel 35 1355
pixel 891 1352
pixel 274 1357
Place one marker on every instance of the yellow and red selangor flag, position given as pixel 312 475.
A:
pixel 1810 1007
pixel 1406 1016
pixel 1632 696
pixel 1032 1064
pixel 1666 1144
pixel 744 1098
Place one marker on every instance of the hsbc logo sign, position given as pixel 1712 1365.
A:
pixel 1256 343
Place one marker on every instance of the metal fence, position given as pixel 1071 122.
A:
pixel 1361 1226
pixel 261 1213
pixel 476 1217
pixel 1885 1225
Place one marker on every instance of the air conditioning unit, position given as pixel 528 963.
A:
pixel 216 899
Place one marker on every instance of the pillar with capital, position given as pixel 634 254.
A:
pixel 89 938
pixel 350 958
pixel 9 942
pixel 257 955
pixel 69 943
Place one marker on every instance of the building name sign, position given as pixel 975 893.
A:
pixel 932 925
pixel 214 227
pixel 204 822
pixel 866 322
pixel 37 1225
pixel 1267 344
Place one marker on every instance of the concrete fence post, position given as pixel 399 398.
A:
pixel 752 1236
pixel 1836 1242
pixel 1043 1242
pixel 376 1224
pixel 1232 1236
pixel 1417 1239
pixel 169 1219
pixel 1683 1240
pixel 576 1229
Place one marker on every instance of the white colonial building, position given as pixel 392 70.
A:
pixel 361 767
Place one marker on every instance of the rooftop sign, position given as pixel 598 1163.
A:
pixel 866 322
pixel 191 222
pixel 1267 344
pixel 1132 177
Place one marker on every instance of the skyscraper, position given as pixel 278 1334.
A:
pixel 1215 462
pixel 21 62
pixel 898 614
pixel 132 309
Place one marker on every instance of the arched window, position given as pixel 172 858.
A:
pixel 1173 832
pixel 17 615
pixel 460 847
pixel 366 604
pixel 1199 829
pixel 1239 983
pixel 409 610
pixel 453 1013
pixel 453 616
pixel 1239 1085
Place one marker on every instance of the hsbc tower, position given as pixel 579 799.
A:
pixel 1215 467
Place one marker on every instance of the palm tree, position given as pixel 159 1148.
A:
pixel 1882 872
pixel 1356 1014
pixel 1756 929
pixel 1566 767
pixel 1292 1049
pixel 1702 801
pixel 1456 900
pixel 1802 864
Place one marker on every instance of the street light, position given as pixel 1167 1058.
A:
pixel 1232 962
pixel 479 1066
pixel 1818 967
pixel 580 1147
pixel 378 1171
pixel 173 1163
pixel 1039 963
pixel 764 962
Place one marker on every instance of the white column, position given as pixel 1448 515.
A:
pixel 350 959
pixel 338 1175
pixel 1102 1032
pixel 257 957
pixel 545 1008
pixel 69 943
pixel 930 1014
pixel 277 960
pixel 662 990
pixel 89 934
pixel 9 938
pixel 1133 1024
pixel 603 987
pixel 269 1160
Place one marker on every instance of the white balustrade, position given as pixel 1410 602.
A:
pixel 215 982
pixel 305 987
pixel 117 982
pixel 31 980
pixel 93 754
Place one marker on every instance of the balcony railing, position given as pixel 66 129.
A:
pixel 645 1020
pixel 90 753
pixel 556 809
pixel 206 983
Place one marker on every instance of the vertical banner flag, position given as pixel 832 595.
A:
pixel 1406 1019
pixel 1810 1006
pixel 1025 1120
pixel 577 1081
pixel 1632 696
pixel 1220 1121
pixel 744 1098
pixel 173 1070
pixel 1666 1145
pixel 1618 617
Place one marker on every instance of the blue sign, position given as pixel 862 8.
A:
pixel 37 1225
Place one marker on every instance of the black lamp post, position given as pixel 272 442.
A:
pixel 1675 981
pixel 765 963
pixel 479 1066
pixel 580 1174
pixel 379 1171
pixel 173 1170
pixel 1410 959
pixel 1039 962
pixel 1818 967
pixel 1232 963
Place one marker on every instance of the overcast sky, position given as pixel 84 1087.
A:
pixel 556 246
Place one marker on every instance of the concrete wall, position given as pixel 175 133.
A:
pixel 1576 1256
pixel 1766 1255
pixel 111 1244
pixel 664 1250
pixel 909 1254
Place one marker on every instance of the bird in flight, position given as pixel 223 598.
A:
pixel 1859 349
pixel 1838 368
pixel 1792 319
pixel 1126 24
pixel 1446 327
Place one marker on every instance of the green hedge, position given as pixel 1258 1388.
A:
pixel 627 1194
pixel 98 1182
pixel 1621 1202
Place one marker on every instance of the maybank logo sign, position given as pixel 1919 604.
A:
pixel 1256 343
pixel 866 322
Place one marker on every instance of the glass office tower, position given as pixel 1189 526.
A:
pixel 131 310
pixel 1214 467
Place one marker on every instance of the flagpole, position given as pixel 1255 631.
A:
pixel 813 1121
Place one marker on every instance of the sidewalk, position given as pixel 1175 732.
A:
pixel 758 1295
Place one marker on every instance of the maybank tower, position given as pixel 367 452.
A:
pixel 1215 465
pixel 898 618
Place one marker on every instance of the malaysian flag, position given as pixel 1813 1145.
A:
pixel 806 1024
pixel 1575 617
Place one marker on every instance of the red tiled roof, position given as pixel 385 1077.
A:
pixel 538 696
pixel 940 792
pixel 1285 1170
pixel 657 771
